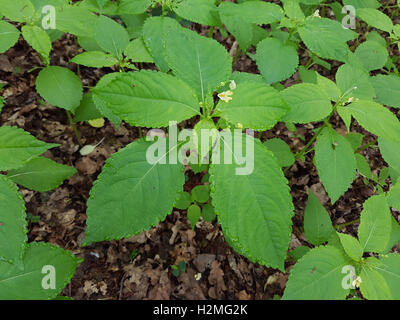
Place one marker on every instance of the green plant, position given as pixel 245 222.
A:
pixel 195 85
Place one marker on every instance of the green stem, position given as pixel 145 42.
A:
pixel 343 225
pixel 211 32
pixel 366 146
pixel 73 126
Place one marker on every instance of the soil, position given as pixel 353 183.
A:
pixel 140 267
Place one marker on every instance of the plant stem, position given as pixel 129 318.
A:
pixel 211 32
pixel 366 146
pixel 73 125
pixel 343 225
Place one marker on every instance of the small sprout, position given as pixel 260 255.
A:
pixel 357 282
pixel 88 149
pixel 97 123
pixel 225 96
pixel 232 85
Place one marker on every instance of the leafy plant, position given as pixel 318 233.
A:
pixel 195 84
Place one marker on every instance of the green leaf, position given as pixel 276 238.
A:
pixel 329 87
pixel 201 193
pixel 293 10
pixel 138 192
pixel 193 214
pixel 208 213
pixel 298 252
pixel 76 20
pixel 111 36
pixel 355 139
pixel 376 119
pixel 9 36
pixel 281 151
pixel 201 62
pixel 307 103
pixel 199 11
pixel 277 61
pixel 351 246
pixel 12 222
pixel 390 270
pixel 87 109
pixel 133 7
pixel 354 82
pixel 327 38
pixel 18 11
pixel 149 99
pixel 387 88
pixel 335 162
pixel 317 222
pixel 318 276
pixel 17 147
pixel 253 105
pixel 95 59
pixel 183 201
pixel 372 55
pixel 41 174
pixel 137 51
pixel 155 30
pixel 358 4
pixel 38 39
pixel 363 167
pixel 26 283
pixel 373 285
pixel 394 235
pixel 393 196
pixel 102 105
pixel 254 210
pixel 375 224
pixel 390 152
pixel 258 12
pixel 376 19
pixel 60 87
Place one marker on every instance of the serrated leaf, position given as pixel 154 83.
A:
pixel 199 11
pixel 318 276
pixel 277 61
pixel 254 105
pixel 327 38
pixel 375 224
pixel 149 98
pixel 351 246
pixel 363 167
pixel 18 11
pixel 76 20
pixel 95 59
pixel 256 221
pixel 307 103
pixel 60 87
pixel 376 19
pixel 354 82
pixel 138 193
pixel 17 147
pixel 155 29
pixel 184 201
pixel 12 222
pixel 201 62
pixel 373 285
pixel 9 36
pixel 372 55
pixel 26 283
pixel 281 150
pixel 335 162
pixel 137 51
pixel 41 174
pixel 317 222
pixel 376 119
pixel 133 7
pixel 111 36
pixel 38 39
pixel 390 270
pixel 387 88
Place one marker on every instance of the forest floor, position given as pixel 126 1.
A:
pixel 140 267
